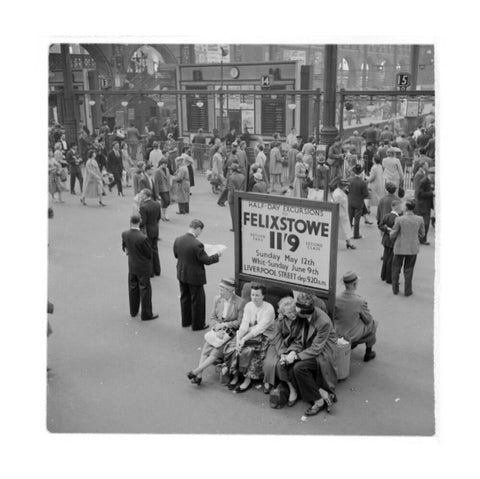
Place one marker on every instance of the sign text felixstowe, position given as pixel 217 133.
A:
pixel 288 241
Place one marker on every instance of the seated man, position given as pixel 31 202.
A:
pixel 310 360
pixel 353 319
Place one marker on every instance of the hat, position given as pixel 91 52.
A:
pixel 227 283
pixel 140 165
pixel 350 277
pixel 235 167
pixel 357 169
pixel 155 143
pixel 344 182
pixel 258 176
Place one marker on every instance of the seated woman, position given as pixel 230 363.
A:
pixel 245 355
pixel 286 331
pixel 227 314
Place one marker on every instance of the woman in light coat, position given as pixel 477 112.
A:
pixel 339 196
pixel 392 169
pixel 226 318
pixel 181 186
pixel 376 182
pixel 93 185
pixel 300 175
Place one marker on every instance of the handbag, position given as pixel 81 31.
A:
pixel 63 175
pixel 279 396
pixel 218 338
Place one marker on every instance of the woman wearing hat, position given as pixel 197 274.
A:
pixel 392 169
pixel 286 330
pixel 339 196
pixel 226 317
pixel 181 186
pixel 259 185
pixel 244 356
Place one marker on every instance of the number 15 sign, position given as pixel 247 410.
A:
pixel 403 80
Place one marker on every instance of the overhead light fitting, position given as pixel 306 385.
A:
pixel 124 103
pixel 91 102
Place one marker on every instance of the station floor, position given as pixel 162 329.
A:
pixel 114 374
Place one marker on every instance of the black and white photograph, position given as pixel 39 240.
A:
pixel 260 220
pixel 239 239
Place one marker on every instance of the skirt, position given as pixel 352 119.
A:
pixel 249 361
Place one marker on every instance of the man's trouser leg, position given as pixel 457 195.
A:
pixel 410 260
pixel 303 375
pixel 133 294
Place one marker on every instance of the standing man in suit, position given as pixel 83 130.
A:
pixel 353 319
pixel 137 247
pixel 150 214
pixel 74 161
pixel 235 182
pixel 191 261
pixel 115 166
pixel 357 194
pixel 407 232
pixel 145 181
pixel 385 226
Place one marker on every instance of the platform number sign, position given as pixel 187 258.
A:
pixel 266 81
pixel 403 81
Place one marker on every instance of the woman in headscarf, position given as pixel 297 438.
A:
pixel 286 330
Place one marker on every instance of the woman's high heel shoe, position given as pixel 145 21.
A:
pixel 82 200
pixel 351 246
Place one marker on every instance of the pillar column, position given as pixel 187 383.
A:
pixel 69 98
pixel 329 130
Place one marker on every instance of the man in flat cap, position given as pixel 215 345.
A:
pixel 310 360
pixel 353 320
pixel 407 232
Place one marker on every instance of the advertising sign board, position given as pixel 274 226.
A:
pixel 289 242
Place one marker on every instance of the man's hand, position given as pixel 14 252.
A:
pixel 290 359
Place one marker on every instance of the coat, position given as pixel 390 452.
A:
pixel 339 196
pixel 358 192
pixel 235 182
pixel 275 165
pixel 387 221
pixel 145 182
pixel 300 174
pixel 292 160
pixel 385 206
pixel 392 170
pixel 181 185
pixel 321 344
pixel 93 185
pixel 407 231
pixel 150 212
pixel 137 246
pixel 376 184
pixel 161 180
pixel 191 260
pixel 424 196
pixel 353 319
pixel 114 163
pixel 234 312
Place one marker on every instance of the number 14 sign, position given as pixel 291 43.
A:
pixel 403 80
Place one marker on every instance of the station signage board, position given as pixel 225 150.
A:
pixel 289 242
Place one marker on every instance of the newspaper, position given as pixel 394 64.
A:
pixel 214 248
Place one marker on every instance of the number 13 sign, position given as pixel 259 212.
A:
pixel 403 80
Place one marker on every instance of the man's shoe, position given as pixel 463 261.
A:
pixel 369 356
pixel 155 316
pixel 358 237
pixel 315 409
pixel 408 294
pixel 202 328
pixel 426 243
pixel 220 204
